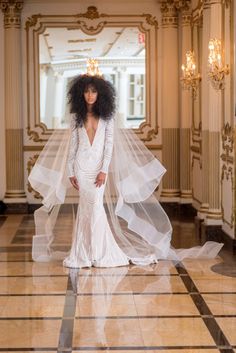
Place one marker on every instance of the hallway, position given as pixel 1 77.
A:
pixel 43 306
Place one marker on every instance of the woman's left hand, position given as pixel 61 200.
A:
pixel 100 180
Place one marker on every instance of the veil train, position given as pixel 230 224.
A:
pixel 139 224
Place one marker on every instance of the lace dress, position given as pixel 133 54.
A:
pixel 93 242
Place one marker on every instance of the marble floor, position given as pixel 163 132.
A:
pixel 166 307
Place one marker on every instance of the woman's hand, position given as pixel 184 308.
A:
pixel 100 180
pixel 74 182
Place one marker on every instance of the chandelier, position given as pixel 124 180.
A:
pixel 216 68
pixel 190 79
pixel 92 68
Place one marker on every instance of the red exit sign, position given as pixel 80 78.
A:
pixel 141 38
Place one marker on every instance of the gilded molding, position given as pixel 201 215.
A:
pixel 169 14
pixel 227 171
pixel 186 19
pixel 227 143
pixel 151 20
pixel 150 134
pixel 197 13
pixel 195 149
pixel 12 12
pixel 92 13
pixel 197 158
pixel 227 136
pixel 32 21
pixel 31 162
pixel 34 135
pixel 227 3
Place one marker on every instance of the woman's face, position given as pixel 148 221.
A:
pixel 90 95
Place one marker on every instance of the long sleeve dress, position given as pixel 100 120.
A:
pixel 93 242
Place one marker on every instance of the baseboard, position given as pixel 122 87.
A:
pixel 16 208
pixel 180 211
pixel 216 233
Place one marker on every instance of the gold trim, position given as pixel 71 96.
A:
pixel 185 195
pixel 195 149
pixel 15 194
pixel 227 135
pixel 216 216
pixel 30 164
pixel 12 13
pixel 171 193
pixel 197 158
pixel 228 173
pixel 154 147
pixel 34 135
pixel 32 148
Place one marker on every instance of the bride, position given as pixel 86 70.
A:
pixel 101 161
pixel 92 101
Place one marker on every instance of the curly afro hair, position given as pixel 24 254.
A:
pixel 105 105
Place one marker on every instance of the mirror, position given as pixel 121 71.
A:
pixel 63 54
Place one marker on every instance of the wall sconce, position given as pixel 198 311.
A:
pixel 216 69
pixel 190 79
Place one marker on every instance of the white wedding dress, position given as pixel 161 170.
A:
pixel 93 242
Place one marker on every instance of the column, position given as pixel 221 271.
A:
pixel 214 215
pixel 185 115
pixel 170 102
pixel 15 193
pixel 205 113
pixel 58 101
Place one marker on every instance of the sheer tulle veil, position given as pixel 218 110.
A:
pixel 139 224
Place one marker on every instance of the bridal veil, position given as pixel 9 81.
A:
pixel 139 224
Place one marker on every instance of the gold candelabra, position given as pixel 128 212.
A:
pixel 216 68
pixel 190 79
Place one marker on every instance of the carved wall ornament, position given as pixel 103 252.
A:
pixel 197 14
pixel 31 162
pixel 32 21
pixel 91 13
pixel 227 173
pixel 12 12
pixel 197 158
pixel 227 143
pixel 186 18
pixel 169 14
pixel 34 135
pixel 227 3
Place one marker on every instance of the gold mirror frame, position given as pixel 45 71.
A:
pixel 90 22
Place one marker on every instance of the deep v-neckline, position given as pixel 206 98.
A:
pixel 91 144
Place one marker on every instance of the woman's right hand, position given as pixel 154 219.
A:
pixel 74 182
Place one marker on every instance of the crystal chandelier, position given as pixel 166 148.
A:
pixel 190 79
pixel 92 68
pixel 216 69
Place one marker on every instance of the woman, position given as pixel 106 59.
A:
pixel 92 101
pixel 101 159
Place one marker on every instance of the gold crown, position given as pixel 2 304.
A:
pixel 92 68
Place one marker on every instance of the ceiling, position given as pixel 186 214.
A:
pixel 63 44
